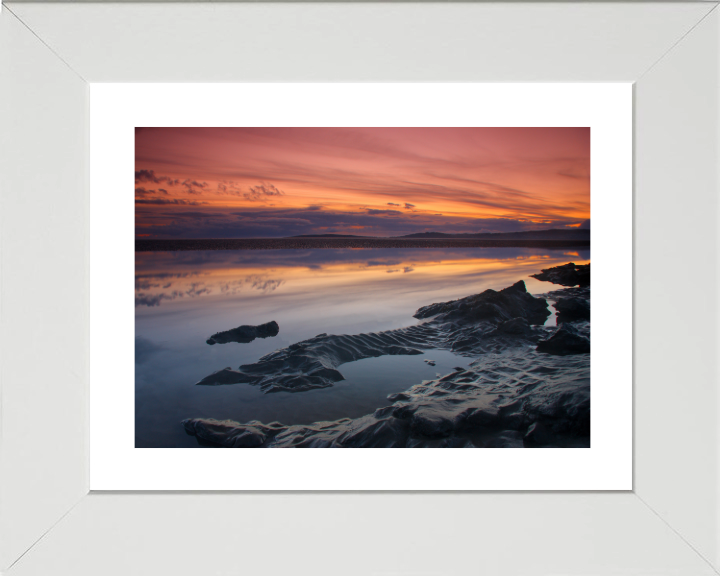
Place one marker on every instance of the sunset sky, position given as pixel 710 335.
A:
pixel 275 182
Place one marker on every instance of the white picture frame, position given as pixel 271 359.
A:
pixel 49 523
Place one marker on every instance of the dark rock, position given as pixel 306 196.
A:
pixel 537 435
pixel 456 443
pixel 404 411
pixel 227 376
pixel 431 423
pixel 565 341
pixel 582 292
pixel 572 310
pixel 481 417
pixel 464 344
pixel 387 433
pixel 570 274
pixel 245 334
pixel 515 327
pixel 490 305
pixel 226 433
pixel 509 439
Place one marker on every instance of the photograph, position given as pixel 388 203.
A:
pixel 362 287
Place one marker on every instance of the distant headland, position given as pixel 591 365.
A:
pixel 555 238
pixel 551 234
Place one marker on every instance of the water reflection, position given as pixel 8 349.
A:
pixel 315 271
pixel 184 297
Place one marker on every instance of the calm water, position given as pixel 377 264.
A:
pixel 181 298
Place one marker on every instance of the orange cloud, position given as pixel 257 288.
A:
pixel 440 176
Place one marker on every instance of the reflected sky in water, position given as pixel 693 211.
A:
pixel 181 298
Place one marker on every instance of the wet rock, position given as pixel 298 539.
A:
pixel 537 435
pixel 490 305
pixel 570 274
pixel 515 327
pixel 385 433
pixel 478 417
pixel 226 433
pixel 402 412
pixel 565 406
pixel 575 292
pixel 510 439
pixel 456 443
pixel 572 310
pixel 245 334
pixel 565 341
pixel 464 344
pixel 431 422
pixel 227 376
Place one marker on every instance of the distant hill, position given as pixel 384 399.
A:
pixel 552 234
pixel 329 236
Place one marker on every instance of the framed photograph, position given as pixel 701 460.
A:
pixel 388 339
pixel 387 244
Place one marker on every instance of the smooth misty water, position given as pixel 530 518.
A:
pixel 182 298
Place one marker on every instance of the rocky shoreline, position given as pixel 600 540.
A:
pixel 527 386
